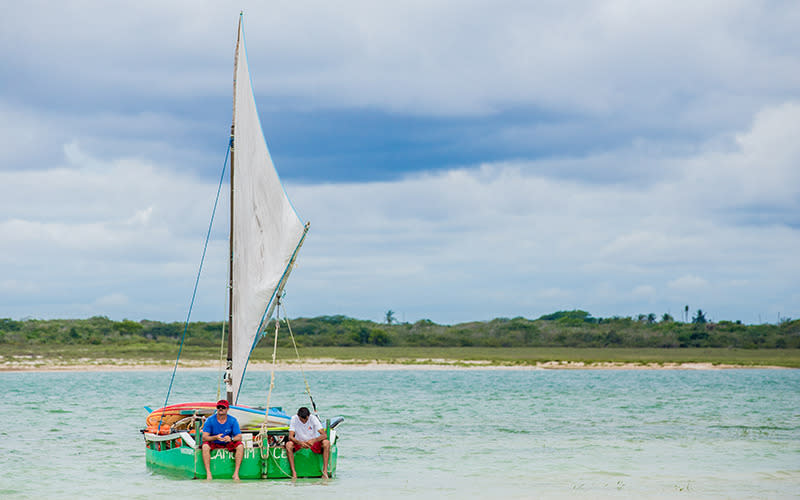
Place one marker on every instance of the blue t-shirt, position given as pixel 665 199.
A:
pixel 229 428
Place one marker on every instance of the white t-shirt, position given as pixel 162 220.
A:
pixel 305 431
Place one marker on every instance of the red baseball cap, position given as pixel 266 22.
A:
pixel 223 402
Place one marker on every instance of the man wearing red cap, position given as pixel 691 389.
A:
pixel 222 431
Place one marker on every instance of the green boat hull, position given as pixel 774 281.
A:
pixel 177 458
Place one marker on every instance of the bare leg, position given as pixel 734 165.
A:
pixel 238 457
pixel 207 460
pixel 326 453
pixel 290 456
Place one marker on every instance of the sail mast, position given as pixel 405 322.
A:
pixel 229 367
pixel 266 228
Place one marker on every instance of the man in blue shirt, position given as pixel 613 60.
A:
pixel 222 431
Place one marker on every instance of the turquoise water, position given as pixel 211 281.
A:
pixel 434 434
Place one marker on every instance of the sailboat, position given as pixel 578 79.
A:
pixel 265 237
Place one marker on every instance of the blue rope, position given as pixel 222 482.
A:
pixel 197 280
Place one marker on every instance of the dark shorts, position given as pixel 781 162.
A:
pixel 228 446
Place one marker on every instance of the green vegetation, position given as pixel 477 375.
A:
pixel 563 335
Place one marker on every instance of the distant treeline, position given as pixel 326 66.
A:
pixel 559 329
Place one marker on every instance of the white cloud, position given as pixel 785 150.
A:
pixel 112 300
pixel 16 287
pixel 141 217
pixel 762 167
pixel 553 293
pixel 88 227
pixel 470 243
pixel 688 282
pixel 503 234
pixel 651 219
pixel 434 57
pixel 645 292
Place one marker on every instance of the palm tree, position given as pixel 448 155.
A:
pixel 389 317
pixel 699 318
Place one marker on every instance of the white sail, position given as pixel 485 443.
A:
pixel 266 229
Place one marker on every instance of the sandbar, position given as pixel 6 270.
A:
pixel 40 364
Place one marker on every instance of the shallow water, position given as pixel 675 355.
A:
pixel 433 433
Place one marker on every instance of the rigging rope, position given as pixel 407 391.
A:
pixel 222 343
pixel 300 363
pixel 196 282
pixel 264 432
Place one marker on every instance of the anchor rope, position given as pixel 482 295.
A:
pixel 196 283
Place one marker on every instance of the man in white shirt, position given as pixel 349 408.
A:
pixel 306 431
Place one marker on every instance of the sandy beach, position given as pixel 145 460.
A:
pixel 41 364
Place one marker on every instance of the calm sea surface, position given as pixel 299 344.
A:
pixel 433 434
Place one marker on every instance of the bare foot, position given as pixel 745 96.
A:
pixel 208 477
pixel 236 477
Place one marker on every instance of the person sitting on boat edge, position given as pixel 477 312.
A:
pixel 306 431
pixel 222 431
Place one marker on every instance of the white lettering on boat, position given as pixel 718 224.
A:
pixel 227 455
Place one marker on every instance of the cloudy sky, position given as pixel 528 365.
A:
pixel 457 160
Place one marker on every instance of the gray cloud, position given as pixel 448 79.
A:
pixel 689 193
pixel 467 244
pixel 610 58
pixel 504 240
